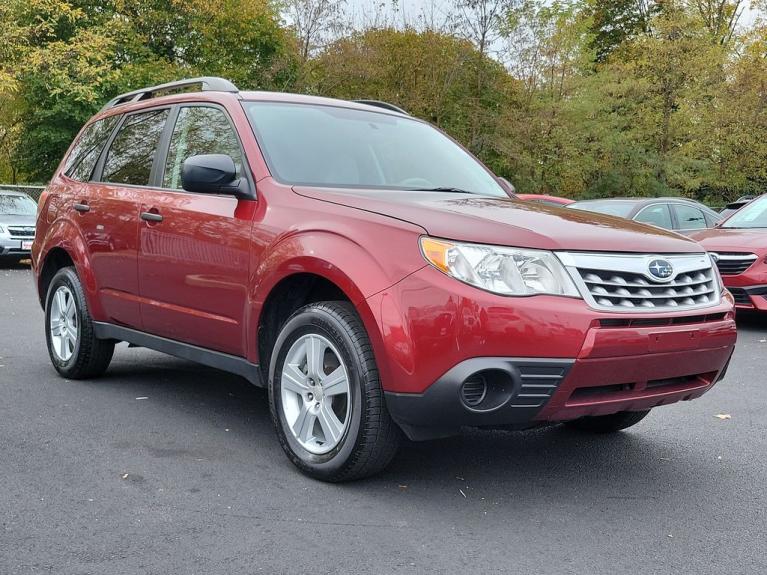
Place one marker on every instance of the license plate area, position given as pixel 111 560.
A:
pixel 26 245
pixel 673 341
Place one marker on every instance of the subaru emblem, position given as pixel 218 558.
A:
pixel 661 269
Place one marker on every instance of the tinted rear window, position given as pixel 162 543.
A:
pixel 88 148
pixel 132 153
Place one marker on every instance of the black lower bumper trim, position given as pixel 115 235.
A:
pixel 743 295
pixel 518 388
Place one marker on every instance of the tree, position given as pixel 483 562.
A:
pixel 315 22
pixel 430 74
pixel 69 56
pixel 720 17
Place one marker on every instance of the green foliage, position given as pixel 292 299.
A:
pixel 63 59
pixel 430 74
pixel 583 98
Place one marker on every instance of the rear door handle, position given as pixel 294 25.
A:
pixel 151 217
pixel 82 208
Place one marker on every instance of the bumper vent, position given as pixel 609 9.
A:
pixel 734 263
pixel 473 390
pixel 741 296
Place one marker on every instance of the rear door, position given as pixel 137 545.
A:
pixel 689 218
pixel 110 208
pixel 194 247
pixel 657 215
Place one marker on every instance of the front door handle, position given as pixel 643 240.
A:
pixel 151 217
pixel 82 207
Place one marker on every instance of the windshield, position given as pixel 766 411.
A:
pixel 331 146
pixel 17 205
pixel 611 208
pixel 753 215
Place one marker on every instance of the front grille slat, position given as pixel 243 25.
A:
pixel 622 282
pixel 687 289
pixel 734 263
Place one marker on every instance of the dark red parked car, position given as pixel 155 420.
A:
pixel 367 270
pixel 739 245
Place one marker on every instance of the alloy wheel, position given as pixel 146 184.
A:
pixel 315 393
pixel 63 323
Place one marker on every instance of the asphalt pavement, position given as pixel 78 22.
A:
pixel 166 467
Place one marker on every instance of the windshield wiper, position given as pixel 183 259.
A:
pixel 440 189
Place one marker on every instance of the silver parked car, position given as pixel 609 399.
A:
pixel 678 214
pixel 17 225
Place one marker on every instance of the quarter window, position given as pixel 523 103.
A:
pixel 657 215
pixel 88 148
pixel 689 217
pixel 130 157
pixel 199 130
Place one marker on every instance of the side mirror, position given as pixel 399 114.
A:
pixel 212 174
pixel 507 186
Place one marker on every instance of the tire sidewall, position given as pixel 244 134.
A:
pixel 321 323
pixel 65 277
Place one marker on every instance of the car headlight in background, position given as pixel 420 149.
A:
pixel 2 230
pixel 500 269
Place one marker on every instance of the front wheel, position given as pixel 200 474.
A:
pixel 325 395
pixel 75 351
pixel 608 423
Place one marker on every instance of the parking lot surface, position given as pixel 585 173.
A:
pixel 166 467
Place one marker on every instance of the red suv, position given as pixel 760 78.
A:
pixel 739 246
pixel 367 270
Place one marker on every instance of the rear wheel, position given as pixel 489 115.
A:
pixel 608 423
pixel 325 395
pixel 74 350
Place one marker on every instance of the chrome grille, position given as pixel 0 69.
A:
pixel 734 263
pixel 623 282
pixel 21 231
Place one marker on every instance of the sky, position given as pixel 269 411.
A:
pixel 408 10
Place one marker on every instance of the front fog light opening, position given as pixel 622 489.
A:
pixel 486 390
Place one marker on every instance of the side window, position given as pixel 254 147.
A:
pixel 657 215
pixel 689 217
pixel 88 148
pixel 712 218
pixel 199 130
pixel 130 157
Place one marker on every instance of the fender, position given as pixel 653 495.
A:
pixel 64 234
pixel 355 270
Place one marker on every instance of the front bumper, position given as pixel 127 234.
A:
pixel 545 359
pixel 14 247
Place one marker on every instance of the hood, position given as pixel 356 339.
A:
pixel 732 240
pixel 7 220
pixel 508 222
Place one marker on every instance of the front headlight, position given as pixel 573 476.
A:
pixel 499 269
pixel 2 230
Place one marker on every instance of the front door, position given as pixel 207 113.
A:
pixel 193 247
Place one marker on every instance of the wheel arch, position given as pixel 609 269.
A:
pixel 65 246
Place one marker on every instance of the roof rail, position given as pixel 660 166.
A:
pixel 206 83
pixel 380 104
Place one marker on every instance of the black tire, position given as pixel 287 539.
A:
pixel 371 438
pixel 90 356
pixel 608 423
